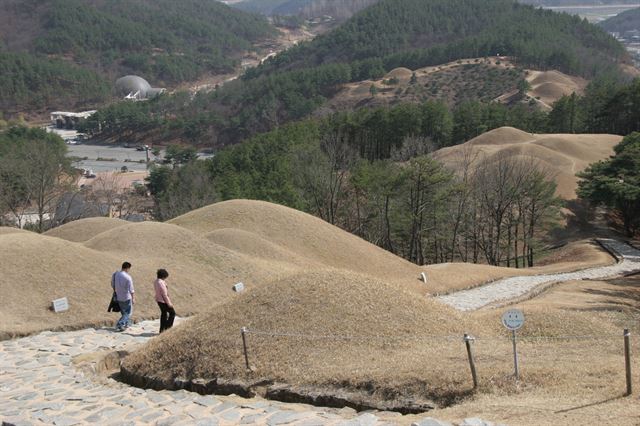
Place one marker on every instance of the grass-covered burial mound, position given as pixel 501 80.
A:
pixel 329 337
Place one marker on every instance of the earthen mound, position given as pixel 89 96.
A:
pixel 502 136
pixel 321 328
pixel 550 91
pixel 85 229
pixel 552 77
pixel 305 235
pixel 9 230
pixel 400 73
pixel 560 156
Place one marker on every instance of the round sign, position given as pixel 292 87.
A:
pixel 513 319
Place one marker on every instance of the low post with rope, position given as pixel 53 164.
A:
pixel 467 341
pixel 244 331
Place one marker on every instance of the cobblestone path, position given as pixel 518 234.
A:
pixel 49 378
pixel 514 287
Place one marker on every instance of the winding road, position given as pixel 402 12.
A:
pixel 515 287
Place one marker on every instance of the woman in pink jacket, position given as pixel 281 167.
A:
pixel 167 313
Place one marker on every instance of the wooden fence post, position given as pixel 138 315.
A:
pixel 467 341
pixel 627 360
pixel 243 331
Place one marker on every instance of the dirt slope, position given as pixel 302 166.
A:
pixel 561 155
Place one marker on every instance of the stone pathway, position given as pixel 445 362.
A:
pixel 50 378
pixel 514 287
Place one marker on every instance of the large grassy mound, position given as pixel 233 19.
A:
pixel 336 333
pixel 206 252
pixel 559 155
pixel 326 324
pixel 305 235
pixel 84 230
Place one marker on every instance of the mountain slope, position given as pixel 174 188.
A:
pixel 415 33
pixel 162 40
pixel 625 21
pixel 390 34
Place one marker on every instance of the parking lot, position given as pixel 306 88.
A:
pixel 102 158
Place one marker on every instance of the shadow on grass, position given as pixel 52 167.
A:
pixel 593 404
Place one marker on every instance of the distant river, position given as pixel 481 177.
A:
pixel 594 13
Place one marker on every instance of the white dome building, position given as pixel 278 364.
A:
pixel 137 88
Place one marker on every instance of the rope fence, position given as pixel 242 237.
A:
pixel 537 353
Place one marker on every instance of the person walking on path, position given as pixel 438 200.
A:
pixel 122 284
pixel 167 313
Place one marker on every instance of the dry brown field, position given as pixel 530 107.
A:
pixel 327 310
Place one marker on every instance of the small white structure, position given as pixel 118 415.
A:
pixel 60 305
pixel 423 277
pixel 238 287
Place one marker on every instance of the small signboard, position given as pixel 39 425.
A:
pixel 238 287
pixel 60 305
pixel 513 319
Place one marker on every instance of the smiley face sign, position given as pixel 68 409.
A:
pixel 513 319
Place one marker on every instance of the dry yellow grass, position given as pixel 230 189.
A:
pixel 322 309
pixel 561 155
pixel 341 330
pixel 307 236
pixel 357 316
pixel 549 86
pixel 206 252
pixel 84 230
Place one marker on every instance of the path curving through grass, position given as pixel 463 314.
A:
pixel 516 287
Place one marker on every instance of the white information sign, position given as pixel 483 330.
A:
pixel 513 319
pixel 61 305
pixel 238 287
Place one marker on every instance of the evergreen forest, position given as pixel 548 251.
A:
pixel 392 33
pixel 164 41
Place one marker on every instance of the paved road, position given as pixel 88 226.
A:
pixel 514 287
pixel 46 381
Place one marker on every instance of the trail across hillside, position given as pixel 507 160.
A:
pixel 514 287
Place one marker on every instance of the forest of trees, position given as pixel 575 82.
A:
pixel 392 33
pixel 28 82
pixel 34 173
pixel 496 211
pixel 165 41
pixel 615 183
pixel 371 173
pixel 415 33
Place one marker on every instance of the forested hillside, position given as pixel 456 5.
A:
pixel 417 33
pixel 626 21
pixel 29 82
pixel 337 9
pixel 271 7
pixel 576 2
pixel 390 34
pixel 163 40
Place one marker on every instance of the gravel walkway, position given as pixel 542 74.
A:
pixel 514 287
pixel 50 378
